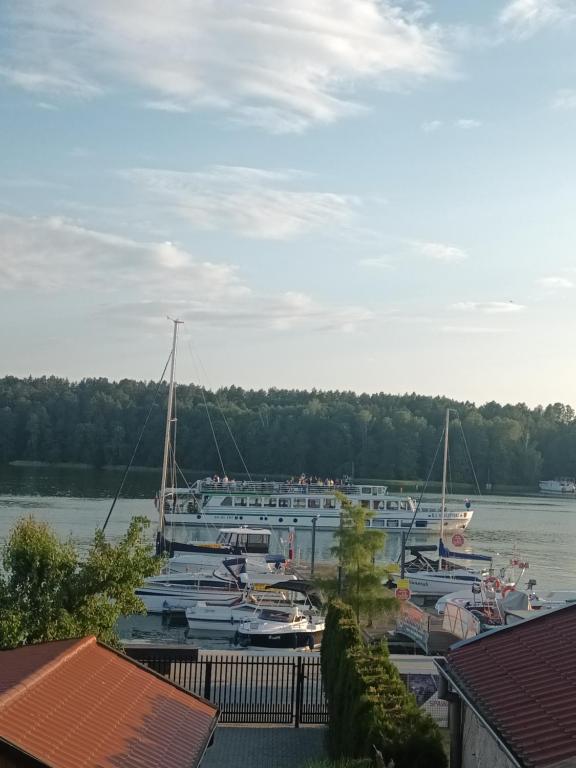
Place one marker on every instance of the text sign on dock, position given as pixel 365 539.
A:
pixel 402 593
pixel 457 540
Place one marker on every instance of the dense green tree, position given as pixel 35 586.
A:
pixel 360 579
pixel 48 593
pixel 284 432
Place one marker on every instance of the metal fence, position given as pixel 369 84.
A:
pixel 285 690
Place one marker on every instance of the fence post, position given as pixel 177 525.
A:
pixel 299 691
pixel 208 680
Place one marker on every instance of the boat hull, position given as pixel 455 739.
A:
pixel 297 639
pixel 440 584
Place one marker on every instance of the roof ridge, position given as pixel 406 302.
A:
pixel 46 669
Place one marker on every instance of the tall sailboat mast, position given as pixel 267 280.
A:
pixel 444 475
pixel 169 421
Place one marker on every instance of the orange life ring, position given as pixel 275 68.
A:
pixel 493 582
pixel 506 590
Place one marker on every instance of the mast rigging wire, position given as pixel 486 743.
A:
pixel 140 436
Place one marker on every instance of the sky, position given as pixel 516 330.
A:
pixel 333 194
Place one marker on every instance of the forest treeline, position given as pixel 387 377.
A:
pixel 284 432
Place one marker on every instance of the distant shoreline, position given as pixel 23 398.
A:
pixel 412 487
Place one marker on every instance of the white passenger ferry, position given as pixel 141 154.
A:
pixel 281 505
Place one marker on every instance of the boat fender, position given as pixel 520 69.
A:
pixel 506 591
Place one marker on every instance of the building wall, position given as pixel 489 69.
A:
pixel 479 748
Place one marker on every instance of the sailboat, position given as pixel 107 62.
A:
pixel 428 577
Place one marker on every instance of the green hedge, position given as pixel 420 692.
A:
pixel 368 703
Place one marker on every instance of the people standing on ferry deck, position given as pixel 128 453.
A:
pixel 467 503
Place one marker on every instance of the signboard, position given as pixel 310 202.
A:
pixel 402 591
pixel 457 540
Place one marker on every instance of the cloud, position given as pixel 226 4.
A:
pixel 124 277
pixel 278 65
pixel 432 125
pixel 564 99
pixel 252 202
pixel 464 123
pixel 467 123
pixel 471 329
pixel 526 17
pixel 51 83
pixel 376 262
pixel 488 307
pixel 440 252
pixel 555 282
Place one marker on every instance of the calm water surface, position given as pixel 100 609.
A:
pixel 541 530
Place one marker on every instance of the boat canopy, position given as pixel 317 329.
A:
pixel 307 588
pixel 444 552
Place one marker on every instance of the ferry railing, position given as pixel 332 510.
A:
pixel 263 488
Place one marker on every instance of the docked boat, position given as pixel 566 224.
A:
pixel 281 628
pixel 442 576
pixel 178 591
pixel 239 540
pixel 217 619
pixel 282 505
pixel 559 485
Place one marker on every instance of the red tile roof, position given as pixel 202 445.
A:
pixel 522 680
pixel 77 703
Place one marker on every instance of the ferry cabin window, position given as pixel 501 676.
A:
pixel 271 502
pixel 255 502
pixel 284 503
pixel 226 501
pixel 313 503
pixel 299 503
pixel 378 504
pixel 365 504
pixel 367 491
pixel 421 523
pixel 392 505
pixel 240 501
pixel 404 505
pixel 329 503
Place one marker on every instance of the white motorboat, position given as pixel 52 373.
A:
pixel 216 619
pixel 238 540
pixel 281 628
pixel 558 485
pixel 178 591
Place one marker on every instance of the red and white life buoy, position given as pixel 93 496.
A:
pixel 506 590
pixel 493 582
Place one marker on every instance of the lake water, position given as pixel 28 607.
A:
pixel 541 530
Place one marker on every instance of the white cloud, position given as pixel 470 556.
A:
pixel 62 260
pixel 564 99
pixel 489 307
pixel 467 123
pixel 466 330
pixel 47 82
pixel 377 262
pixel 279 65
pixel 252 202
pixel 526 17
pixel 555 282
pixel 440 252
pixel 432 125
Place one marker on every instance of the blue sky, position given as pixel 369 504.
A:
pixel 340 194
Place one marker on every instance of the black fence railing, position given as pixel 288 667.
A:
pixel 285 690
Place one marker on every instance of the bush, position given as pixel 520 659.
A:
pixel 368 703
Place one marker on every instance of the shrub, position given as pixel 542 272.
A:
pixel 368 703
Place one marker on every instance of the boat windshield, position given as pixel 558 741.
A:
pixel 269 614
